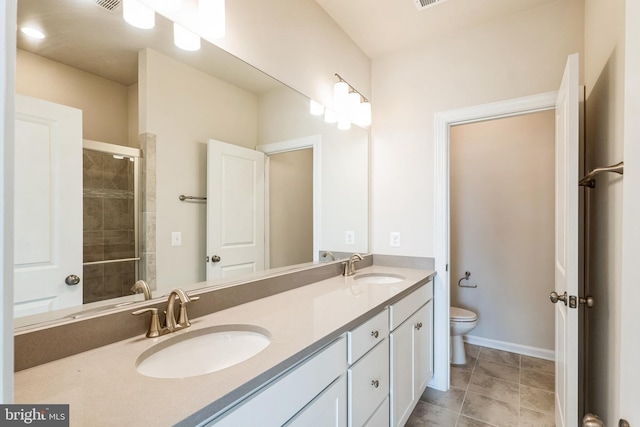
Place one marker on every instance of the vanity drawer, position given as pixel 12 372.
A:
pixel 401 310
pixel 364 337
pixel 368 384
pixel 380 418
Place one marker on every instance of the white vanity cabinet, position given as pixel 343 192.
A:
pixel 312 393
pixel 411 341
pixel 368 373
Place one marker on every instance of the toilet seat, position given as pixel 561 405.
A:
pixel 457 314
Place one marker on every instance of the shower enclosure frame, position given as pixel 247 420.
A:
pixel 135 155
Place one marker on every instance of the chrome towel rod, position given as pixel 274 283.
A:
pixel 589 181
pixel 182 198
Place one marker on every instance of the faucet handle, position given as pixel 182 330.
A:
pixel 183 319
pixel 154 326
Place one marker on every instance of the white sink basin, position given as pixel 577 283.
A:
pixel 379 278
pixel 202 351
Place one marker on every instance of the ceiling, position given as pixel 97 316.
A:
pixel 380 27
pixel 90 38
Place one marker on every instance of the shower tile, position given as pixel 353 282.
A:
pixel 148 269
pixel 92 163
pixel 116 173
pixel 460 377
pixel 498 370
pixel 91 253
pixel 536 399
pixel 92 283
pixel 495 388
pixel 536 364
pixel 490 410
pixel 117 215
pixel 92 238
pixel 529 418
pixel 115 237
pixel 499 356
pixel 537 379
pixel 451 399
pixel 148 237
pixel 92 214
pixel 120 251
pixel 425 414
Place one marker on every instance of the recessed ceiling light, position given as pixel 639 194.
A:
pixel 32 32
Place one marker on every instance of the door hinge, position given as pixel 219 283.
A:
pixel 447 268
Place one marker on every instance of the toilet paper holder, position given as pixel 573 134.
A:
pixel 467 274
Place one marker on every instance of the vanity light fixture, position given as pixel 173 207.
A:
pixel 315 108
pixel 184 38
pixel 211 14
pixel 330 116
pixel 351 104
pixel 138 14
pixel 32 32
pixel 344 124
pixel 170 5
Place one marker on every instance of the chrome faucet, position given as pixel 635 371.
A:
pixel 170 323
pixel 326 254
pixel 142 286
pixel 349 266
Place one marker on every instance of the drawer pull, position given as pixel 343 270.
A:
pixel 419 325
pixel 375 383
pixel 374 334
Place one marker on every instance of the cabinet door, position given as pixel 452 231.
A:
pixel 329 409
pixel 402 372
pixel 423 347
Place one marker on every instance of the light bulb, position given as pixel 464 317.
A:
pixel 211 14
pixel 340 96
pixel 315 108
pixel 364 114
pixel 344 124
pixel 32 32
pixel 353 104
pixel 184 38
pixel 138 15
pixel 330 116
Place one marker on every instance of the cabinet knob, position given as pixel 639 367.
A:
pixel 419 325
pixel 375 383
pixel 374 334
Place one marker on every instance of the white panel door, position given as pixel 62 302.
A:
pixel 566 245
pixel 235 210
pixel 47 206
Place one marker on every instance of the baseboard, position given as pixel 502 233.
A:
pixel 511 347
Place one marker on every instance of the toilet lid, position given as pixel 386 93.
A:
pixel 456 313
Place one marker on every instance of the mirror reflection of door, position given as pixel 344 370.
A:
pixel 291 207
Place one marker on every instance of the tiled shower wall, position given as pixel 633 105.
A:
pixel 108 225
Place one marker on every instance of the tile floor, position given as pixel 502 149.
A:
pixel 494 388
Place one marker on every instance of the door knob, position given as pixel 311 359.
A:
pixel 215 258
pixel 554 297
pixel 72 280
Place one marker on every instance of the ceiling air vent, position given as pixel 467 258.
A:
pixel 109 5
pixel 424 4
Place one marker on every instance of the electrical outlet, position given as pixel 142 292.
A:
pixel 394 239
pixel 176 238
pixel 349 238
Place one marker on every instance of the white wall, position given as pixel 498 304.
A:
pixel 104 103
pixel 630 291
pixel 185 108
pixel 605 115
pixel 7 65
pixel 502 221
pixel 519 55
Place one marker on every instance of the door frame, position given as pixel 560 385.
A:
pixel 313 142
pixel 442 124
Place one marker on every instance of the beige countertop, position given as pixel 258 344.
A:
pixel 103 387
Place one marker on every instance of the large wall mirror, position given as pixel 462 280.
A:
pixel 146 112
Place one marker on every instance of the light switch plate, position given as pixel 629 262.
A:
pixel 349 237
pixel 394 239
pixel 176 238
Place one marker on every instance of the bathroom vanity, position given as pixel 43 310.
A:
pixel 343 351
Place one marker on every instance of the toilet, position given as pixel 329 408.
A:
pixel 462 321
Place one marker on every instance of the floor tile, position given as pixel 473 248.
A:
pixel 470 422
pixel 499 356
pixel 536 364
pixel 537 379
pixel 451 400
pixel 495 388
pixel 490 410
pixel 498 370
pixel 471 349
pixel 429 415
pixel 460 377
pixel 536 399
pixel 530 418
pixel 471 362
